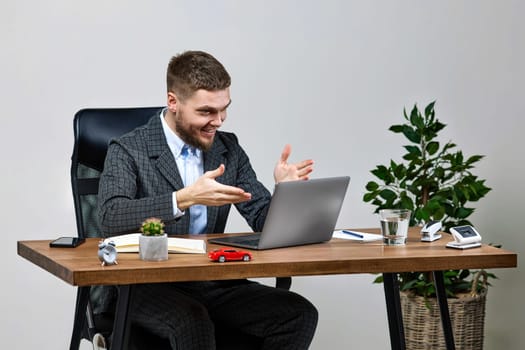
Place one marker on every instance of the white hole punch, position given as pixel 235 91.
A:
pixel 430 232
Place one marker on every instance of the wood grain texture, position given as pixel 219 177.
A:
pixel 80 266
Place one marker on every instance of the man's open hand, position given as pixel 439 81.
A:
pixel 207 191
pixel 291 172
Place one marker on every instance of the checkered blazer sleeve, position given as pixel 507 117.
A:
pixel 124 201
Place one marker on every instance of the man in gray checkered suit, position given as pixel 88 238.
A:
pixel 179 167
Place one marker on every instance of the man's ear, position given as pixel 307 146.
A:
pixel 173 102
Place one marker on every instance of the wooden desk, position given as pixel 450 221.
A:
pixel 80 267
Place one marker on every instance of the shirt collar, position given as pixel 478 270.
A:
pixel 175 143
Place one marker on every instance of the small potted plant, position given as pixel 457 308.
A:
pixel 153 242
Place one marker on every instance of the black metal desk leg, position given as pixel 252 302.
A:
pixel 443 309
pixel 393 308
pixel 121 324
pixel 80 317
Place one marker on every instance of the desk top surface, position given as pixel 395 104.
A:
pixel 81 267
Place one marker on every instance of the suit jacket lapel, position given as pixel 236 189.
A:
pixel 212 159
pixel 158 149
pixel 168 168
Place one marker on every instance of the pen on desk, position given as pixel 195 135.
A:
pixel 353 233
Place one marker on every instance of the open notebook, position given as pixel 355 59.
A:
pixel 129 243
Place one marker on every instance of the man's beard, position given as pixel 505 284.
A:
pixel 187 136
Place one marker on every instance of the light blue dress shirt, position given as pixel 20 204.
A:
pixel 191 167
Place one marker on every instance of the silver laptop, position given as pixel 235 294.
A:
pixel 301 212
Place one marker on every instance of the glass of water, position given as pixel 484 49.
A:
pixel 394 225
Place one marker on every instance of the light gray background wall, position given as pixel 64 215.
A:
pixel 329 77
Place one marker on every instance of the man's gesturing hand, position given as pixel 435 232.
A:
pixel 207 191
pixel 291 172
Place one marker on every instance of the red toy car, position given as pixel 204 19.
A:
pixel 229 254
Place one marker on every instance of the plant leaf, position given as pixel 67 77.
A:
pixel 396 128
pixel 429 109
pixel 387 194
pixel 381 172
pixel 411 134
pixel 463 212
pixel 413 150
pixel 372 186
pixel 369 196
pixel 432 147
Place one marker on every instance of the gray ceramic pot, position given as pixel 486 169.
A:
pixel 153 248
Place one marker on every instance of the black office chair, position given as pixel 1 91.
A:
pixel 93 129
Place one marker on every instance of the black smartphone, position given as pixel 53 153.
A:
pixel 67 242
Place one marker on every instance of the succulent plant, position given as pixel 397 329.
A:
pixel 152 227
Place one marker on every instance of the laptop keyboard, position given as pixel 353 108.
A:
pixel 247 240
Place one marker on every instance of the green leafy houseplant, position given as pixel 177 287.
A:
pixel 435 182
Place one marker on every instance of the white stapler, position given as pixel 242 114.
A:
pixel 429 232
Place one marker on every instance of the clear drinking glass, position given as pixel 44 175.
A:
pixel 394 225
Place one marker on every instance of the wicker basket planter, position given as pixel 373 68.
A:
pixel 423 329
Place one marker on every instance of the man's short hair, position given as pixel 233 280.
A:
pixel 194 70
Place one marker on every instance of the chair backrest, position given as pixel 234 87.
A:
pixel 93 129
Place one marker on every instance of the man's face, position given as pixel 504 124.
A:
pixel 197 118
